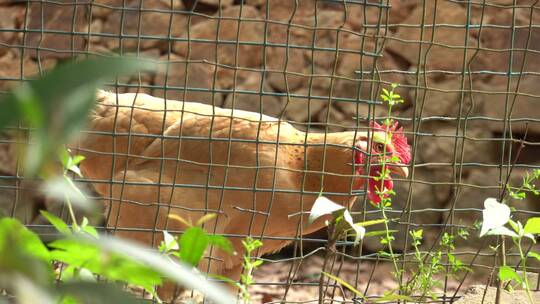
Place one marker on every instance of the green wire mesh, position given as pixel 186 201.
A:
pixel 467 69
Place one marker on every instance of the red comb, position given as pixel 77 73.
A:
pixel 399 141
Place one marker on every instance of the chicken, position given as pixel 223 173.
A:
pixel 260 175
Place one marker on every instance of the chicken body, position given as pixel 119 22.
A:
pixel 255 172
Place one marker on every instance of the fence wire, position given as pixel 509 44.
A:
pixel 467 70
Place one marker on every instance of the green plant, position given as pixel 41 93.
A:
pixel 496 215
pixel 342 224
pixel 384 194
pixel 430 264
pixel 54 108
pixel 249 264
pixel 190 247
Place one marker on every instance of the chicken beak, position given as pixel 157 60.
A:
pixel 400 170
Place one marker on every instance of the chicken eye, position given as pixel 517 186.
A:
pixel 379 147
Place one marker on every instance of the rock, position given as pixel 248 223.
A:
pixel 257 3
pixel 523 108
pixel 400 10
pixel 226 77
pixel 96 27
pixel 16 198
pixel 323 38
pixel 11 19
pixel 288 68
pixel 305 106
pixel 312 59
pixel 11 71
pixel 477 295
pixel 447 51
pixel 217 3
pixel 253 101
pixel 437 144
pixel 99 49
pixel 366 17
pixel 198 80
pixel 230 36
pixel 336 121
pixel 284 10
pixel 103 8
pixel 359 86
pixel 496 42
pixel 157 23
pixel 442 97
pixel 151 54
pixel 21 204
pixel 64 20
pixel 132 86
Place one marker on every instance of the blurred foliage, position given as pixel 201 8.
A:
pixel 55 108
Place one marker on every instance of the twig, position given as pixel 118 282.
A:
pixel 502 240
pixel 330 250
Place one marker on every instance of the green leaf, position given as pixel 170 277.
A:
pixel 346 285
pixel 77 159
pixel 256 263
pixel 23 253
pixel 205 218
pixel 417 234
pixel 535 255
pixel 370 223
pixel 91 231
pixel 9 110
pixel 88 228
pixel 64 157
pixel 193 244
pixel 57 222
pixel 532 225
pixel 58 103
pixel 116 267
pixel 507 273
pixel 89 292
pixel 80 73
pixel 14 234
pixel 221 242
pixel 379 232
pixel 173 271
pixel 179 219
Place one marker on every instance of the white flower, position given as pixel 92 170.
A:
pixel 495 216
pixel 324 206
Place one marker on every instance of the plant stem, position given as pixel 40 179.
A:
pixel 524 269
pixel 390 249
pixel 382 204
pixel 70 206
pixel 330 249
pixel 502 255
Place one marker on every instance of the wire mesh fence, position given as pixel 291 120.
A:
pixel 467 71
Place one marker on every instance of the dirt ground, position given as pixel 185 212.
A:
pixel 272 277
pixel 478 294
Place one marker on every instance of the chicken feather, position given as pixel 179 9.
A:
pixel 255 172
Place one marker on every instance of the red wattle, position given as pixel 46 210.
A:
pixel 374 186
